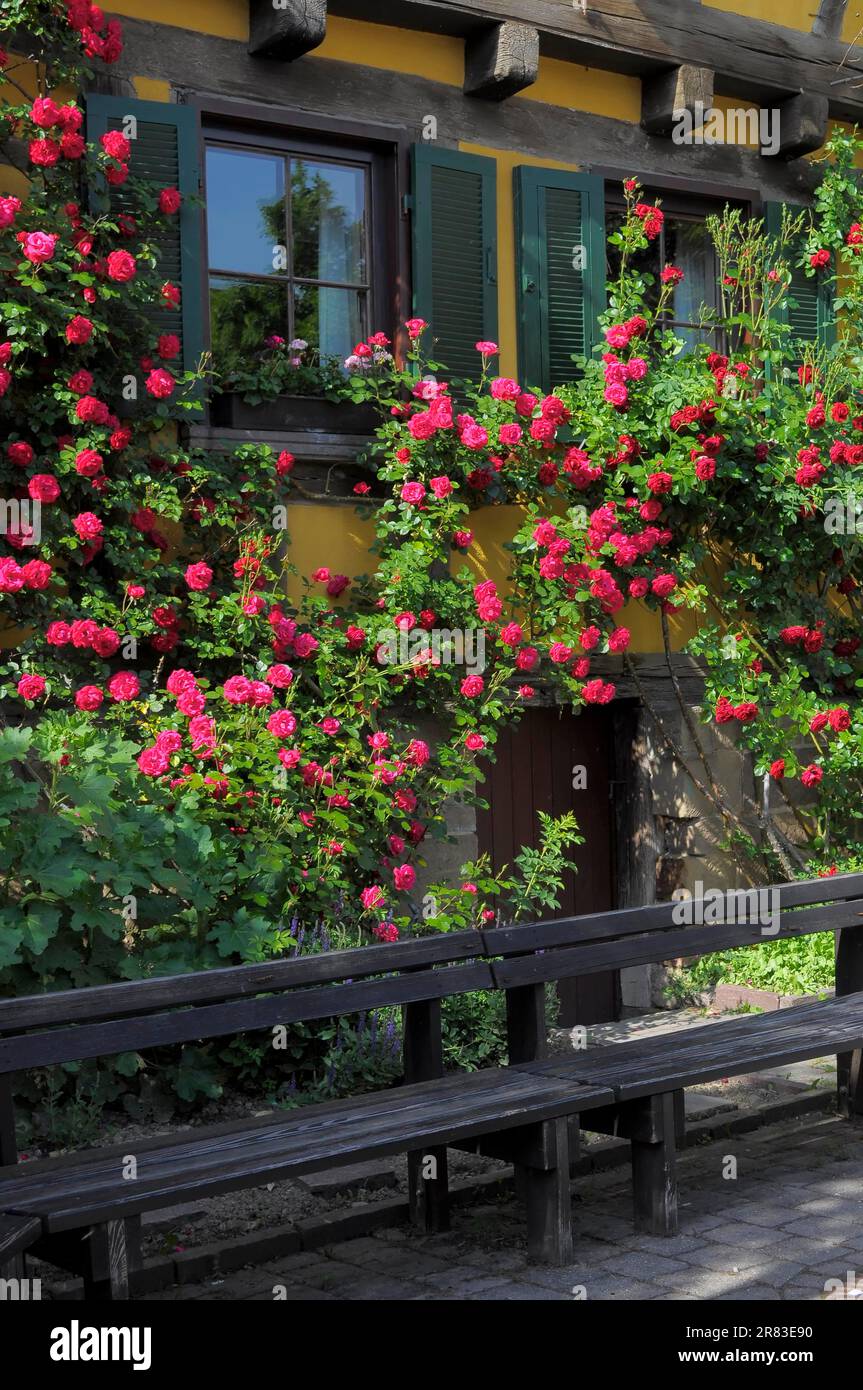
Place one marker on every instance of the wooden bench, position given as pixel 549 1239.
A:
pixel 648 1075
pixel 82 1211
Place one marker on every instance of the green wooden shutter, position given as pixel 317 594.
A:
pixel 165 150
pixel 560 271
pixel 810 318
pixel 455 252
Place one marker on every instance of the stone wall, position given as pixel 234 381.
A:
pixel 683 827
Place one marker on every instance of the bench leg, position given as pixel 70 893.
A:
pixel 543 1176
pixel 428 1187
pixel 654 1169
pixel 849 1083
pixel 573 1135
pixel 106 1269
pixel 849 980
pixel 14 1268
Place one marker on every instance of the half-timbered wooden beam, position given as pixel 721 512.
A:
pixel 664 98
pixel 803 122
pixel 500 61
pixel 286 29
pixel 761 62
pixel 830 18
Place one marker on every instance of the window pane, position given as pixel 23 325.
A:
pixel 331 320
pixel 245 209
pixel 688 246
pixel 328 211
pixel 242 314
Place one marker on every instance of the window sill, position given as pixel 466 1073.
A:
pixel 328 465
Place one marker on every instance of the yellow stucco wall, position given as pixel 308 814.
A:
pixel 852 29
pixel 227 18
pixel 585 89
pixel 323 534
pixel 152 89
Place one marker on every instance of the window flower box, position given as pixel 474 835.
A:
pixel 295 413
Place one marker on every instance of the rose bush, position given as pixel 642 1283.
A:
pixel 307 750
pixel 152 599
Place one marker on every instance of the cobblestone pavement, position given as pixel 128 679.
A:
pixel 786 1225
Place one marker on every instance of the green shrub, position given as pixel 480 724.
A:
pixel 797 965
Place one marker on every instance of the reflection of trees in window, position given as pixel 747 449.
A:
pixel 273 220
pixel 320 229
pixel 320 294
pixel 242 314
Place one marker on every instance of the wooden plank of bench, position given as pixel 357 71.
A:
pixel 309 1140
pixel 658 946
pixel 214 1146
pixel 142 996
pixel 109 1158
pixel 682 1058
pixel 69 1044
pixel 629 921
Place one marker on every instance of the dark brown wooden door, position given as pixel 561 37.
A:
pixel 535 771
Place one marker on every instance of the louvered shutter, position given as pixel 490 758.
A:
pixel 810 317
pixel 455 252
pixel 560 229
pixel 164 151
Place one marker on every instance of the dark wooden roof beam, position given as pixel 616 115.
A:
pixel 286 29
pixel 803 124
pixel 500 61
pixel 765 63
pixel 666 96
